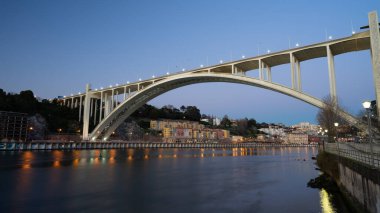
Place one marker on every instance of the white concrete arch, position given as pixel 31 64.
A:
pixel 125 109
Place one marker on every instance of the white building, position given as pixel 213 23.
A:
pixel 306 128
pixel 274 131
pixel 216 121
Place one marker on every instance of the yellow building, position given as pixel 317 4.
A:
pixel 167 132
pixel 237 139
pixel 161 124
pixel 226 133
pixel 187 131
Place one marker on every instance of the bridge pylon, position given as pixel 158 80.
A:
pixel 375 53
pixel 86 113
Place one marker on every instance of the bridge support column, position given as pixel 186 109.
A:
pixel 80 108
pixel 86 113
pixel 101 107
pixel 112 99
pixel 261 74
pixel 292 71
pixel 91 107
pixel 298 67
pixel 269 74
pixel 375 53
pixel 106 105
pixel 117 98
pixel 109 105
pixel 72 103
pixel 96 110
pixel 330 63
pixel 125 93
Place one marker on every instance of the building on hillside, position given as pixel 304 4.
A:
pixel 237 139
pixel 306 128
pixel 159 125
pixel 216 121
pixel 183 131
pixel 274 131
pixel 13 126
pixel 297 138
pixel 261 137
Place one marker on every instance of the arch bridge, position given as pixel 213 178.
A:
pixel 108 107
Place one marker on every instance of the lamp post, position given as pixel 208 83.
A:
pixel 367 106
pixel 30 131
pixel 336 124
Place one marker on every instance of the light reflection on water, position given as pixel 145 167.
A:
pixel 246 179
pixel 92 157
pixel 327 206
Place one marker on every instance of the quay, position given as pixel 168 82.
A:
pixel 356 170
pixel 59 145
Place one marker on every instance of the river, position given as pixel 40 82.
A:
pixel 262 179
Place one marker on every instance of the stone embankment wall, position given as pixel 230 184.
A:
pixel 359 182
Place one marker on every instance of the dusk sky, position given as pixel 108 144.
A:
pixel 55 47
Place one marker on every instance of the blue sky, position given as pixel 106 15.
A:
pixel 56 47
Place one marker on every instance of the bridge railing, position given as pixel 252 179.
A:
pixel 358 152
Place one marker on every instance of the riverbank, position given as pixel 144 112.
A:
pixel 358 183
pixel 59 145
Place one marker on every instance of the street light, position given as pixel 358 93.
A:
pixel 336 124
pixel 367 106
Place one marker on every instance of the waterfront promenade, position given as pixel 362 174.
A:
pixel 359 152
pixel 57 145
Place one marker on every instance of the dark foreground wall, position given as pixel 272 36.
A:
pixel 359 183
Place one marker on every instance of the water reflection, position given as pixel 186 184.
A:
pixel 252 180
pixel 56 159
pixel 326 204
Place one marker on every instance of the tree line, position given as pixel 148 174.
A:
pixel 56 116
pixel 65 120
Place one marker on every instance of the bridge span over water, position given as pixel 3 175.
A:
pixel 108 107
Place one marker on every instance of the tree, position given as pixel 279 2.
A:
pixel 226 122
pixel 251 123
pixel 182 108
pixel 192 113
pixel 328 115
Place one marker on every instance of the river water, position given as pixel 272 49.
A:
pixel 162 180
